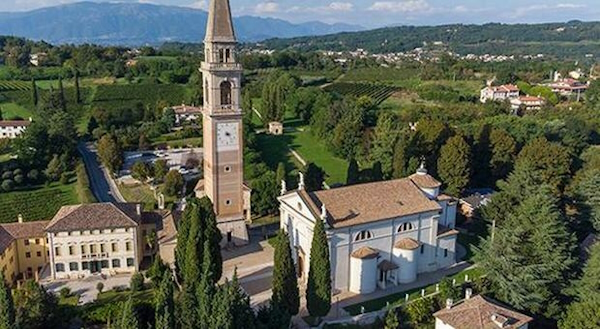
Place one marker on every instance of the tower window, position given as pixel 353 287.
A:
pixel 228 55
pixel 221 56
pixel 225 93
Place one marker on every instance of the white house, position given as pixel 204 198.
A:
pixel 499 93
pixel 568 87
pixel 13 128
pixel 380 234
pixel 186 113
pixel 527 103
pixel 479 313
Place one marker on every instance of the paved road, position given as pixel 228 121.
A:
pixel 102 186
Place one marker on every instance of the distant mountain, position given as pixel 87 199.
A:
pixel 570 39
pixel 138 24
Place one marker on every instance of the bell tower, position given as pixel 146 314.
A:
pixel 222 123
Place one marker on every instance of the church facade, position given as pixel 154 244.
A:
pixel 380 234
pixel 222 124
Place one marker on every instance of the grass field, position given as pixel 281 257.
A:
pixel 143 194
pixel 38 203
pixel 313 150
pixel 14 110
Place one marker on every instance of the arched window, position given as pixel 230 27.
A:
pixel 225 93
pixel 405 227
pixel 363 235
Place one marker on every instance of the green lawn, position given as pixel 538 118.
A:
pixel 399 298
pixel 265 220
pixel 470 242
pixel 13 110
pixel 311 149
pixel 36 203
pixel 143 194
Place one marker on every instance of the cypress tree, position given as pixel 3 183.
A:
pixel 188 304
pixel 7 308
pixel 212 234
pixel 182 238
pixel 243 314
pixel 318 290
pixel 34 93
pixel 165 307
pixel 194 250
pixel 205 291
pixel 377 173
pixel 77 91
pixel 128 318
pixel 453 165
pixel 280 172
pixel 353 172
pixel 285 282
pixel 314 177
pixel 221 316
pixel 61 93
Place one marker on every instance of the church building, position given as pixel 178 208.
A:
pixel 223 141
pixel 380 234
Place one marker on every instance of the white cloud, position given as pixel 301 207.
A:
pixel 266 7
pixel 406 6
pixel 341 6
pixel 523 11
pixel 201 4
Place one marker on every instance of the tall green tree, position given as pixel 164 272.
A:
pixel 552 160
pixel 213 236
pixel 188 308
pixel 386 136
pixel 243 314
pixel 318 289
pixel 34 93
pixel 353 173
pixel 7 308
pixel 62 97
pixel 110 153
pixel 527 256
pixel 453 165
pixel 205 292
pixel 77 88
pixel 265 190
pixel 281 176
pixel 588 197
pixel 503 149
pixel 164 304
pixel 35 307
pixel 314 177
pixel 173 183
pixel 285 281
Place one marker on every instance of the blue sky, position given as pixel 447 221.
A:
pixel 373 13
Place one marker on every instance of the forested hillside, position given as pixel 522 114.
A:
pixel 560 39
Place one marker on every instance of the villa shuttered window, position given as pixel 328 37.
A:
pixel 363 235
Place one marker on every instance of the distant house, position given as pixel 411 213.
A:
pixel 528 103
pixel 479 313
pixel 474 201
pixel 499 93
pixel 13 128
pixel 185 113
pixel 276 128
pixel 568 87
pixel 37 59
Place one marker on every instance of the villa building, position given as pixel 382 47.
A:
pixel 527 103
pixel 185 113
pixel 499 93
pixel 380 234
pixel 13 128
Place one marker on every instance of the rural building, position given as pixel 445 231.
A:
pixel 184 113
pixel 527 103
pixel 13 128
pixel 568 87
pixel 38 59
pixel 102 238
pixel 23 249
pixel 469 204
pixel 479 313
pixel 276 128
pixel 381 234
pixel 499 93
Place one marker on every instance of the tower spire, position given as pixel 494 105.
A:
pixel 220 24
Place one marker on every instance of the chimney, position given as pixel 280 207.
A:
pixel 138 209
pixel 449 303
pixel 20 219
pixel 323 212
pixel 468 293
pixel 499 320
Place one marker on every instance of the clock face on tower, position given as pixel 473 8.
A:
pixel 227 136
